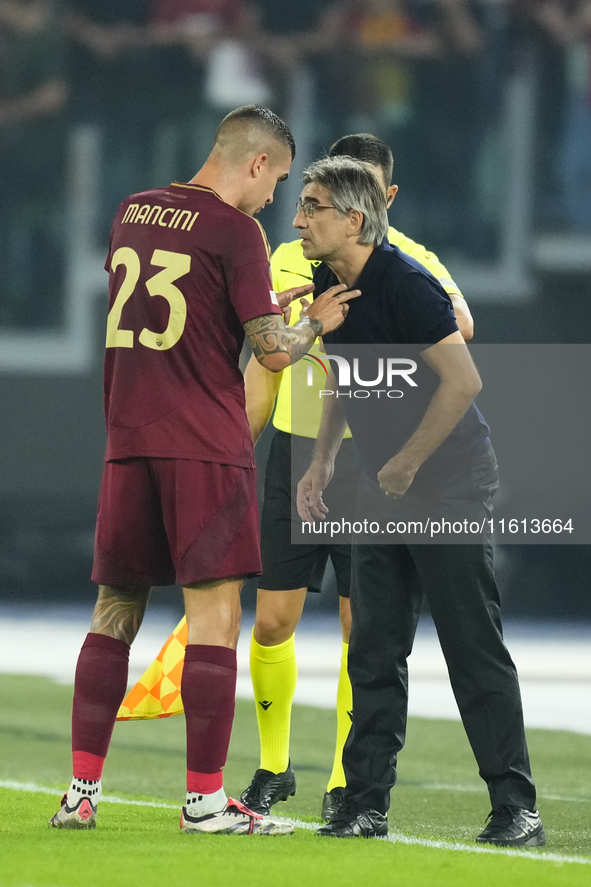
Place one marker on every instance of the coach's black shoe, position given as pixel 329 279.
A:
pixel 361 824
pixel 513 827
pixel 332 803
pixel 267 789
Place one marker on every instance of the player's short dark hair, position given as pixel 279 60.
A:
pixel 353 185
pixel 261 119
pixel 364 146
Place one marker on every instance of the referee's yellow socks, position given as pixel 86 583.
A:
pixel 274 676
pixel 344 716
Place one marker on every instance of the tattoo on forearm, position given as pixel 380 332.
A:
pixel 119 612
pixel 269 335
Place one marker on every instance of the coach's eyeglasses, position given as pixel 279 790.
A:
pixel 309 207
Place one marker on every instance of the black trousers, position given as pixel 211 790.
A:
pixel 288 563
pixel 388 584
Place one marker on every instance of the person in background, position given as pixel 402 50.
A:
pixel 568 25
pixel 34 92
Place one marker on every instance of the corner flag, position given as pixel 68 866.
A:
pixel 157 694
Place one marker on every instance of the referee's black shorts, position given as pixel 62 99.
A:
pixel 287 565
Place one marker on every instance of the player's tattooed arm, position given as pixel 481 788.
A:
pixel 119 611
pixel 268 336
pixel 275 346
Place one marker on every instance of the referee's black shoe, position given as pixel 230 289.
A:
pixel 332 803
pixel 267 789
pixel 353 823
pixel 513 827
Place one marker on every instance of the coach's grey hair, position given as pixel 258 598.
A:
pixel 353 184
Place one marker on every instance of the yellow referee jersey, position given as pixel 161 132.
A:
pixel 290 268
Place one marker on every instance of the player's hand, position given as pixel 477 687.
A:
pixel 309 494
pixel 287 296
pixel 331 307
pixel 396 476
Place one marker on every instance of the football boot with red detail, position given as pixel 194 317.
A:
pixel 81 816
pixel 234 819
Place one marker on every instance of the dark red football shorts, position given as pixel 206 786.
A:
pixel 166 520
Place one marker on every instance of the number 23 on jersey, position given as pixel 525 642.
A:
pixel 174 265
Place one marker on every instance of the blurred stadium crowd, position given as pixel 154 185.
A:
pixel 154 77
pixel 486 104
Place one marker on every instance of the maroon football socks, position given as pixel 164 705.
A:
pixel 208 690
pixel 99 690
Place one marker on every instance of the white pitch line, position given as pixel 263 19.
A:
pixel 434 786
pixel 110 799
pixel 397 838
pixel 393 837
pixel 442 786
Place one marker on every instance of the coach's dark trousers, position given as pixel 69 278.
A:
pixel 389 582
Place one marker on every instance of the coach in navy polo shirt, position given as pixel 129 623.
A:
pixel 402 304
pixel 431 449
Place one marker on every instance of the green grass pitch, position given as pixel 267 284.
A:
pixel 439 799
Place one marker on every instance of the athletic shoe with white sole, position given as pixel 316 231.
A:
pixel 81 816
pixel 234 819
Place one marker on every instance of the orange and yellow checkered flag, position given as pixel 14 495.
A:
pixel 157 694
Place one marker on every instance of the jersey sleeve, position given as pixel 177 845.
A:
pixel 247 271
pixel 428 259
pixel 425 313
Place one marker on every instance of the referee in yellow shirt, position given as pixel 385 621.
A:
pixel 291 570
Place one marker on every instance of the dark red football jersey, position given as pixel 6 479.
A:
pixel 186 270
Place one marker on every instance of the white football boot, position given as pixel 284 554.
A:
pixel 234 819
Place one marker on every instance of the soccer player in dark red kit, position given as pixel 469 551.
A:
pixel 188 277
